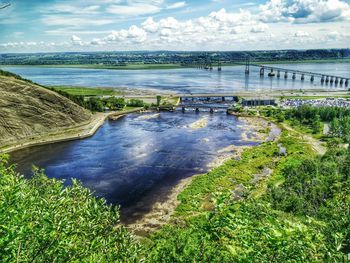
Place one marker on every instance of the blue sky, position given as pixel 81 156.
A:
pixel 86 25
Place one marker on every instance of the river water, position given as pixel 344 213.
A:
pixel 134 156
pixel 187 80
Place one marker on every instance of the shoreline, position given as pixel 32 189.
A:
pixel 78 132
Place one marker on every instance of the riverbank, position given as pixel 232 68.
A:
pixel 163 209
pixel 82 131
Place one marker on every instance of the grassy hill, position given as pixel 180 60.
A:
pixel 28 110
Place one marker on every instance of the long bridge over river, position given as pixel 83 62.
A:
pixel 274 71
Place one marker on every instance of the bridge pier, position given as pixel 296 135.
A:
pixel 286 74
pixel 336 81
pixel 294 76
pixel 312 78
pixel 262 72
pixel 211 110
pixel 322 79
pixel 331 80
pixel 278 73
pixel 341 82
pixel 346 83
pixel 302 77
pixel 247 66
pixel 197 110
pixel 327 79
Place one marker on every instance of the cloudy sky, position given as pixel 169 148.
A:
pixel 87 25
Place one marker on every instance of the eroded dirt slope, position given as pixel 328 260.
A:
pixel 28 110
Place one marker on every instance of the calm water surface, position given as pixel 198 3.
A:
pixel 181 80
pixel 134 156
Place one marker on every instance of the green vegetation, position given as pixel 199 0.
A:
pixel 170 59
pixel 263 207
pixel 42 221
pixel 310 118
pixel 87 92
pixel 299 214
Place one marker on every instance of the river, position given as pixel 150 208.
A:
pixel 186 80
pixel 138 154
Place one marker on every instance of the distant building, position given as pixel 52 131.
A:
pixel 258 102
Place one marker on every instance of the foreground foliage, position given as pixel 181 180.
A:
pixel 41 221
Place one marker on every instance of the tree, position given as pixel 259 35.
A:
pixel 43 221
pixel 159 98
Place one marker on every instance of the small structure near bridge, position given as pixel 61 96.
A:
pixel 258 102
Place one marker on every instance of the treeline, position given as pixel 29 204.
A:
pixel 313 118
pixel 168 57
pixel 96 104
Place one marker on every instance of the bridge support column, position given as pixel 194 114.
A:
pixel 286 75
pixel 247 62
pixel 312 78
pixel 322 79
pixel 302 77
pixel 341 82
pixel 346 83
pixel 197 110
pixel 294 76
pixel 278 73
pixel 262 72
pixel 327 79
pixel 332 80
pixel 211 110
pixel 336 81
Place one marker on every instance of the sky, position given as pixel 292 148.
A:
pixel 211 25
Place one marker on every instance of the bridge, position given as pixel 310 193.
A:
pixel 276 71
pixel 279 72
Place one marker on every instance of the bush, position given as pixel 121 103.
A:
pixel 43 221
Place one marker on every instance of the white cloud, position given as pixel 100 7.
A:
pixel 56 20
pixel 133 10
pixel 304 11
pixel 259 28
pixel 301 33
pixel 177 5
pixel 76 40
pixel 150 26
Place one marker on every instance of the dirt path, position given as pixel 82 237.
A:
pixel 316 145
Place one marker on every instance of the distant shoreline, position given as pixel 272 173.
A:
pixel 172 66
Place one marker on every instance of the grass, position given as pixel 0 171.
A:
pixel 85 91
pixel 199 197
